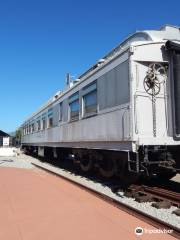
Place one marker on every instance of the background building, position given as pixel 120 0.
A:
pixel 5 139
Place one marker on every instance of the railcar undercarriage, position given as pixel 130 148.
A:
pixel 149 161
pixel 159 160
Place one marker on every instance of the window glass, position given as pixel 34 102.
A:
pixel 50 117
pixel 74 106
pixel 38 125
pixel 50 112
pixel 24 130
pixel 28 128
pixel 74 97
pixel 74 110
pixel 90 100
pixel 33 127
pixel 43 123
pixel 90 87
pixel 50 122
pixel 60 111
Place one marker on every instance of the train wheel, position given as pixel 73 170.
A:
pixel 108 168
pixel 86 165
pixel 166 175
pixel 129 178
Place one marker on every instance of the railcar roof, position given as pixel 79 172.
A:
pixel 166 32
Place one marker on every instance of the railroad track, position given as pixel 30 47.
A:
pixel 172 197
pixel 125 207
pixel 147 193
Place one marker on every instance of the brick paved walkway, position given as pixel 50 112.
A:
pixel 35 205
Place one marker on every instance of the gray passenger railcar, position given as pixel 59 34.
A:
pixel 122 115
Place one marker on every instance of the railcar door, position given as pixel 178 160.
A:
pixel 150 100
pixel 173 49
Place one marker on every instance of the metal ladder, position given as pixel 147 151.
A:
pixel 133 164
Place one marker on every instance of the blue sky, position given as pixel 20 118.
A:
pixel 40 41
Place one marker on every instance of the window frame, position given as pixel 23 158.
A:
pixel 33 127
pixel 60 111
pixel 24 130
pixel 72 99
pixel 87 90
pixel 28 128
pixel 43 121
pixel 38 122
pixel 50 122
pixel 50 116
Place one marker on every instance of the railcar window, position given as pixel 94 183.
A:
pixel 33 127
pixel 38 125
pixel 50 122
pixel 43 123
pixel 74 107
pixel 28 128
pixel 74 110
pixel 60 111
pixel 90 103
pixel 89 100
pixel 50 118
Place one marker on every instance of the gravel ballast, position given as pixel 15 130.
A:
pixel 17 162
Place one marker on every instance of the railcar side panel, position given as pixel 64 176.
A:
pixel 110 123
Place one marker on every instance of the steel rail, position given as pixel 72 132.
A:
pixel 173 197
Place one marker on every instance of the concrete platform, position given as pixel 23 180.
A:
pixel 176 178
pixel 8 152
pixel 36 205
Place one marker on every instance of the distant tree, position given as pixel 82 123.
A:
pixel 18 137
pixel 18 133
